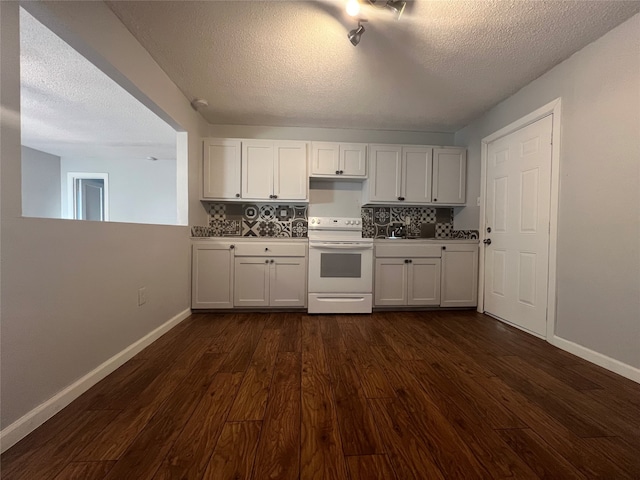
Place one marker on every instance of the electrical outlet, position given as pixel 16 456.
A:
pixel 142 296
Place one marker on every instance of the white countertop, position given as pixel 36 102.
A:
pixel 414 241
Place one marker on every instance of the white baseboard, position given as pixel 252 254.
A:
pixel 616 366
pixel 22 427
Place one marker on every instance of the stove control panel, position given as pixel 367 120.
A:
pixel 335 223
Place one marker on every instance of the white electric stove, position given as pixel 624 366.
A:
pixel 340 266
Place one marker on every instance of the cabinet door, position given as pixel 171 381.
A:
pixel 416 174
pixel 257 169
pixel 291 180
pixel 212 275
pixel 459 276
pixel 390 281
pixel 288 282
pixel 221 162
pixel 251 286
pixel 385 165
pixel 424 281
pixel 449 176
pixel 325 158
pixel 353 159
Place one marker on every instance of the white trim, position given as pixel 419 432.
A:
pixel 71 200
pixel 551 108
pixel 19 429
pixel 616 366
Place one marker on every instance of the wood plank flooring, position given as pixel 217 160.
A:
pixel 410 395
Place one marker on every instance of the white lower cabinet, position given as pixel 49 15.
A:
pixel 413 273
pixel 270 282
pixel 212 272
pixel 407 281
pixel 459 275
pixel 270 274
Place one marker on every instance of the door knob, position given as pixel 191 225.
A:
pixel 487 241
pixel 488 229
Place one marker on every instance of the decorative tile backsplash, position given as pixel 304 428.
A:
pixel 429 222
pixel 254 220
pixel 283 220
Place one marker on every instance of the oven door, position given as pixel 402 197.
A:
pixel 340 267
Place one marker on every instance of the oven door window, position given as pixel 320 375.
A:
pixel 340 265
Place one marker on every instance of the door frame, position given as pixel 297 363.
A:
pixel 71 181
pixel 552 108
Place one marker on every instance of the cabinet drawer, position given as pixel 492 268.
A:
pixel 408 251
pixel 271 249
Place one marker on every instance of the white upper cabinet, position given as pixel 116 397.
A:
pixel 257 169
pixel 449 176
pixel 290 177
pixel 274 170
pixel 385 173
pixel 400 174
pixel 416 175
pixel 339 160
pixel 221 178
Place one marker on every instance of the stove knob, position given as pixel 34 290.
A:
pixel 318 221
pixel 348 222
pixel 357 222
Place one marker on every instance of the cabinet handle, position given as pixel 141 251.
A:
pixel 271 260
pixel 270 196
pixel 444 248
pixel 410 261
pixel 275 196
pixel 337 172
pixel 237 195
pixel 341 172
pixel 406 261
pixel 231 247
pixel 435 199
pixel 266 261
pixel 266 249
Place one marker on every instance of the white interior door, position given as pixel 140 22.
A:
pixel 518 193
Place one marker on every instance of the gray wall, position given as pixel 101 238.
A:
pixel 40 184
pixel 598 265
pixel 69 288
pixel 140 191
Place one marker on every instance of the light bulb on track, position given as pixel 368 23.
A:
pixel 353 7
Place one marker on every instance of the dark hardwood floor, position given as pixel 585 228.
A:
pixel 419 395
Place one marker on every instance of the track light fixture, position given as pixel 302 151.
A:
pixel 355 34
pixel 353 8
pixel 396 6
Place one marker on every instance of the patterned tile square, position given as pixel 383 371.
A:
pixel 250 212
pixel 217 211
pixel 428 215
pixel 443 230
pixel 284 213
pixel 367 214
pixel 268 212
pixel 249 228
pixel 381 215
pixel 300 212
pixel 381 231
pixel 299 228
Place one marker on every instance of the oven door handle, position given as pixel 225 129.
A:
pixel 333 246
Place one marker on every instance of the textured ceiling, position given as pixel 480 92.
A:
pixel 69 108
pixel 289 63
